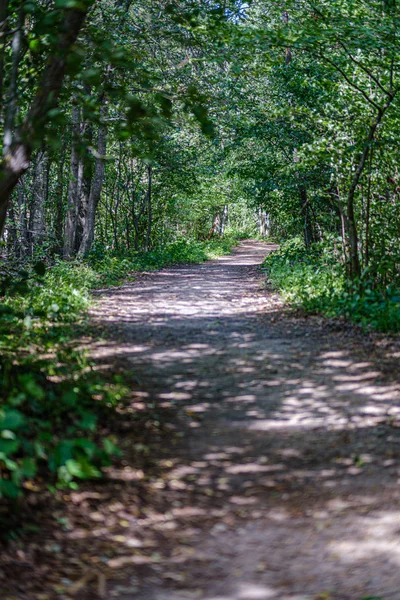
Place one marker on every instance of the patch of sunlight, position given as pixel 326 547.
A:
pixel 244 398
pixel 252 591
pixel 358 376
pixel 175 396
pixel 379 539
pixel 252 468
pixel 334 354
pixel 336 363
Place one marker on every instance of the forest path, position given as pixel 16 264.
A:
pixel 278 473
pixel 280 480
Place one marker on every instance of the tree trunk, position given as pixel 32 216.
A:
pixel 17 158
pixel 3 24
pixel 149 206
pixel 85 185
pixel 10 172
pixel 216 225
pixel 59 216
pixel 309 236
pixel 73 188
pixel 224 220
pixel 95 192
pixel 23 220
pixel 38 202
pixel 11 233
pixel 355 265
pixel 263 222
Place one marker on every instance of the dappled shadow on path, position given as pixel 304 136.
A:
pixel 266 460
pixel 286 475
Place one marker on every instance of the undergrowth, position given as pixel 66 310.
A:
pixel 314 280
pixel 53 404
pixel 111 269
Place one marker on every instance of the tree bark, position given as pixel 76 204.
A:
pixel 95 191
pixel 224 220
pixel 17 159
pixel 3 23
pixel 38 201
pixel 263 222
pixel 59 216
pixel 149 206
pixel 23 220
pixel 309 236
pixel 355 265
pixel 73 188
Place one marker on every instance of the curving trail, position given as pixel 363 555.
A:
pixel 282 482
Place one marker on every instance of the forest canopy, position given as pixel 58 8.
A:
pixel 125 122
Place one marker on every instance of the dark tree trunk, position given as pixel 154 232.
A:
pixel 17 158
pixel 309 236
pixel 95 192
pixel 149 206
pixel 3 24
pixel 23 219
pixel 38 201
pixel 74 185
pixel 59 217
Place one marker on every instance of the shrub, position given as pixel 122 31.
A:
pixel 50 399
pixel 315 280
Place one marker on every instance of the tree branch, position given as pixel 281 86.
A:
pixel 351 83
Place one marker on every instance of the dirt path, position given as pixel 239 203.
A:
pixel 261 459
pixel 285 485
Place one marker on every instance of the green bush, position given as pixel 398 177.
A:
pixel 50 400
pixel 113 269
pixel 314 280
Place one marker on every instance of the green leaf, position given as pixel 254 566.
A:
pixel 28 467
pixel 88 421
pixel 11 419
pixel 136 111
pixel 109 447
pixel 92 76
pixel 9 446
pixel 70 398
pixel 82 469
pixel 34 46
pixel 87 446
pixel 9 489
pixel 27 322
pixel 6 434
pixel 31 387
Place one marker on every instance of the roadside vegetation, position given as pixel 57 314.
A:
pixel 314 279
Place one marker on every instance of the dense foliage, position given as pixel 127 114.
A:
pixel 314 280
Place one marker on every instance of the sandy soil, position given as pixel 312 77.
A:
pixel 262 454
